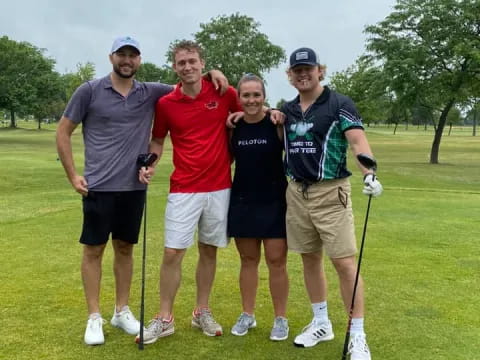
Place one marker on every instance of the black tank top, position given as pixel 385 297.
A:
pixel 259 172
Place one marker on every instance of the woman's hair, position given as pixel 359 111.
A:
pixel 251 77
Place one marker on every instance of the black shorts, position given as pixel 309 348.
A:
pixel 116 213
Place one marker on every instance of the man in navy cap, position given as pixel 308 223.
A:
pixel 116 113
pixel 320 125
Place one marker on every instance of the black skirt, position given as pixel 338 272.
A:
pixel 257 220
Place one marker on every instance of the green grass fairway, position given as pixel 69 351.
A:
pixel 421 262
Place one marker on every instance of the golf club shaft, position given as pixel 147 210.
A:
pixel 142 300
pixel 357 275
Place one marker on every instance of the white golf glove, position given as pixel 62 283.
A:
pixel 372 185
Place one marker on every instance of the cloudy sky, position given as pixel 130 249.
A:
pixel 81 31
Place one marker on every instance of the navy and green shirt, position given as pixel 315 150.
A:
pixel 316 146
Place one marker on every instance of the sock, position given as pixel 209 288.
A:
pixel 199 309
pixel 164 319
pixel 94 315
pixel 320 311
pixel 357 326
pixel 124 307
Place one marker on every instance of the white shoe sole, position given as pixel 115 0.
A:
pixel 313 343
pixel 130 332
pixel 274 338
pixel 154 339
pixel 254 325
pixel 198 326
pixel 94 343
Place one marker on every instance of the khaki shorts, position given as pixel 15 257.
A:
pixel 187 212
pixel 321 218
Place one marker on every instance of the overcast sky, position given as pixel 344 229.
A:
pixel 81 31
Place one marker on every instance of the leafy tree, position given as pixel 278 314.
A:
pixel 152 73
pixel 23 72
pixel 72 81
pixel 365 85
pixel 473 115
pixel 430 51
pixel 234 45
pixel 280 103
pixel 50 102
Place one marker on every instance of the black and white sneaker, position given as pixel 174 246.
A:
pixel 314 333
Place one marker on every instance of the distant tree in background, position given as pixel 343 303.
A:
pixel 473 115
pixel 150 72
pixel 25 74
pixel 280 103
pixel 71 81
pixel 51 101
pixel 366 86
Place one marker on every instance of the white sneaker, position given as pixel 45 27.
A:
pixel 358 348
pixel 94 331
pixel 313 333
pixel 126 321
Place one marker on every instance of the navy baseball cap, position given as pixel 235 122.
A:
pixel 303 56
pixel 125 41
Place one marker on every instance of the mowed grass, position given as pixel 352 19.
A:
pixel 421 262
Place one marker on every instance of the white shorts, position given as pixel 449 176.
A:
pixel 185 211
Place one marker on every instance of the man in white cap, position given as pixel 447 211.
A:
pixel 116 113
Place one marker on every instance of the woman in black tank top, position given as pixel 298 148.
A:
pixel 258 206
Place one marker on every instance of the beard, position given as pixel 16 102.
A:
pixel 116 69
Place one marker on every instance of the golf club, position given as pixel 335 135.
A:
pixel 369 163
pixel 144 160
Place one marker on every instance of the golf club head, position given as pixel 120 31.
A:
pixel 367 161
pixel 145 160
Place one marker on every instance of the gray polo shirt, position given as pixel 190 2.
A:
pixel 116 129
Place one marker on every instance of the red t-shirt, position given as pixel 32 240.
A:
pixel 199 137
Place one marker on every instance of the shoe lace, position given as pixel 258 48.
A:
pixel 279 323
pixel 127 313
pixel 244 319
pixel 358 344
pixel 155 324
pixel 206 317
pixel 97 322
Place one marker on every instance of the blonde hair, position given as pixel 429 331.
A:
pixel 188 45
pixel 321 68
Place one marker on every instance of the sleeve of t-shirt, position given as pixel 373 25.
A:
pixel 160 89
pixel 77 107
pixel 160 124
pixel 349 117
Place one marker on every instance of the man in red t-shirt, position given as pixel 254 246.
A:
pixel 194 114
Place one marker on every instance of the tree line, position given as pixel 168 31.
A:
pixel 29 85
pixel 421 66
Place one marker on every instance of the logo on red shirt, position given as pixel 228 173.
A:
pixel 211 105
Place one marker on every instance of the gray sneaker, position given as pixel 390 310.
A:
pixel 157 328
pixel 280 329
pixel 205 321
pixel 244 322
